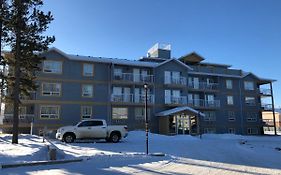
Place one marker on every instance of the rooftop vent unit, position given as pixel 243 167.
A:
pixel 160 50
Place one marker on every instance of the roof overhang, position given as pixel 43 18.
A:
pixel 191 58
pixel 177 61
pixel 179 110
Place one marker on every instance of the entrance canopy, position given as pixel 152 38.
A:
pixel 177 110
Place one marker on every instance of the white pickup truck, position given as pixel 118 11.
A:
pixel 92 129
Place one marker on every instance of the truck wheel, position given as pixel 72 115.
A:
pixel 115 137
pixel 68 138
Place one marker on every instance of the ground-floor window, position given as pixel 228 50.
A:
pixel 209 130
pixel 231 116
pixel 252 130
pixel 86 112
pixel 140 114
pixel 231 130
pixel 209 116
pixel 119 113
pixel 49 112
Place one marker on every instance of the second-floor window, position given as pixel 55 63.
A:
pixel 230 100
pixel 250 101
pixel 249 85
pixel 252 117
pixel 209 116
pixel 228 84
pixel 51 89
pixel 88 70
pixel 86 112
pixel 52 66
pixel 87 90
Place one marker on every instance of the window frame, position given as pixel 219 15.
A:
pixel 248 102
pixel 58 113
pixel 231 84
pixel 231 116
pixel 227 100
pixel 83 116
pixel 82 93
pixel 142 117
pixel 51 93
pixel 119 118
pixel 57 61
pixel 250 117
pixel 83 69
pixel 209 118
pixel 251 131
pixel 246 87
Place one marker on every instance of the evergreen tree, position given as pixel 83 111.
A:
pixel 26 26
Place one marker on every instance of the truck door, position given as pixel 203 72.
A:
pixel 99 129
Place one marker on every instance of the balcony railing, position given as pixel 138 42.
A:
pixel 175 81
pixel 204 103
pixel 266 107
pixel 203 86
pixel 176 100
pixel 133 77
pixel 131 98
pixel 23 118
pixel 127 98
pixel 31 96
pixel 265 91
pixel 141 98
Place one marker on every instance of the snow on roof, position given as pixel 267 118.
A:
pixel 104 60
pixel 177 110
pixel 176 60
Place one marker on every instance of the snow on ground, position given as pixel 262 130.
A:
pixel 213 154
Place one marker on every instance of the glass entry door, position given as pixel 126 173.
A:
pixel 182 124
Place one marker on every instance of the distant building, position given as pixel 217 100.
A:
pixel 185 96
pixel 268 119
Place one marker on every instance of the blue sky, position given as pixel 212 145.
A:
pixel 242 33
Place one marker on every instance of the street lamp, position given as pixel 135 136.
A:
pixel 145 115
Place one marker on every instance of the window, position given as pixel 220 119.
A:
pixel 252 117
pixel 230 100
pixel 88 70
pixel 252 130
pixel 52 67
pixel 231 130
pixel 87 90
pixel 49 112
pixel 140 114
pixel 249 85
pixel 250 101
pixel 231 116
pixel 119 113
pixel 91 123
pixel 22 112
pixel 209 130
pixel 210 116
pixel 86 112
pixel 228 84
pixel 51 89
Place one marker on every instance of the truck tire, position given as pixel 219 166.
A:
pixel 115 137
pixel 68 137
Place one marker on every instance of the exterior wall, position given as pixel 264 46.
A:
pixel 70 100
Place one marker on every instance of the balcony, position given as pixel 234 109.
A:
pixel 175 81
pixel 124 98
pixel 23 118
pixel 173 100
pixel 204 103
pixel 203 86
pixel 265 92
pixel 131 98
pixel 130 77
pixel 266 107
pixel 31 96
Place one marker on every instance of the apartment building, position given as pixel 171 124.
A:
pixel 186 95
